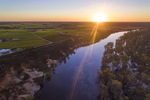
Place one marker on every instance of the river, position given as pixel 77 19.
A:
pixel 76 77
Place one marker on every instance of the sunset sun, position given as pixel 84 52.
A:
pixel 100 17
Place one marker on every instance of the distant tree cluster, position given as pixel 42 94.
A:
pixel 125 70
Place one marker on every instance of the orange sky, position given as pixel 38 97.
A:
pixel 77 10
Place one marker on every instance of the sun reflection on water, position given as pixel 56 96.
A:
pixel 81 66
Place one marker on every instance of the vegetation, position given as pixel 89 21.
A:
pixel 66 37
pixel 22 35
pixel 31 34
pixel 125 70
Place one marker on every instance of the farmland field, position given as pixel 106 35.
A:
pixel 23 35
pixel 61 60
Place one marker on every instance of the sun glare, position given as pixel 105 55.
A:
pixel 99 17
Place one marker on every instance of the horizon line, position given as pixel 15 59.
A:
pixel 82 21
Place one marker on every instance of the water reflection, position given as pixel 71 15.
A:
pixel 125 68
pixel 77 76
pixel 36 68
pixel 23 74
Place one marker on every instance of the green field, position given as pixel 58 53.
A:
pixel 17 38
pixel 31 34
pixel 23 35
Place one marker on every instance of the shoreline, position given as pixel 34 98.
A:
pixel 37 59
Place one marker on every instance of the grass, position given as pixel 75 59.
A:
pixel 24 34
pixel 7 45
pixel 30 43
pixel 24 39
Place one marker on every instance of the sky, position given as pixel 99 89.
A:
pixel 74 10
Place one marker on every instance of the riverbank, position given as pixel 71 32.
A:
pixel 124 73
pixel 21 67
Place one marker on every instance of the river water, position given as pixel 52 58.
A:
pixel 76 78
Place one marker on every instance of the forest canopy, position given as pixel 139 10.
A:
pixel 125 70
